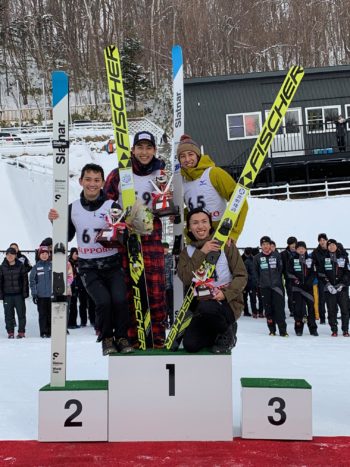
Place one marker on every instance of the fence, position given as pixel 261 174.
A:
pixel 322 189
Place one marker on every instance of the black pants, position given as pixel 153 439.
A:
pixel 289 290
pixel 12 303
pixel 340 299
pixel 169 299
pixel 341 142
pixel 321 301
pixel 108 290
pixel 210 319
pixel 274 310
pixel 44 310
pixel 304 310
pixel 86 307
pixel 250 292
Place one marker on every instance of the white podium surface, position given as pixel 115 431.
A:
pixel 274 408
pixel 163 396
pixel 74 412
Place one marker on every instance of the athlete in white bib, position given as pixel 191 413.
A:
pixel 214 321
pixel 205 185
pixel 100 268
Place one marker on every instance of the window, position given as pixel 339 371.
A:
pixel 243 126
pixel 318 119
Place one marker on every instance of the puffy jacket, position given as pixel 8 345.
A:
pixel 334 269
pixel 223 184
pixel 234 291
pixel 268 271
pixel 249 264
pixel 40 279
pixel 286 256
pixel 301 271
pixel 318 256
pixel 13 279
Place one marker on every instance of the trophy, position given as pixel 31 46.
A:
pixel 162 203
pixel 202 284
pixel 113 235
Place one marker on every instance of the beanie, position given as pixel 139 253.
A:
pixel 43 249
pixel 331 240
pixel 265 239
pixel 291 240
pixel 11 251
pixel 322 235
pixel 186 143
pixel 303 244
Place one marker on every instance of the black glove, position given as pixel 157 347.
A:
pixel 35 299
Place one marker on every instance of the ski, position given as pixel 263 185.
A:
pixel 178 130
pixel 59 306
pixel 122 142
pixel 240 194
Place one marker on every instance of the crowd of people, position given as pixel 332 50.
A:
pixel 99 286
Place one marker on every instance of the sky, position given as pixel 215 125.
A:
pixel 25 364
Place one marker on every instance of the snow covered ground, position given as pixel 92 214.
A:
pixel 24 364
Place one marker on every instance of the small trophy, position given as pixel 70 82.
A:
pixel 202 284
pixel 113 235
pixel 162 202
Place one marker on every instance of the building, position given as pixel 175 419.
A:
pixel 226 113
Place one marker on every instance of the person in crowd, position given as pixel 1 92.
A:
pixel 286 255
pixel 206 185
pixel 318 256
pixel 251 288
pixel 268 270
pixel 214 320
pixel 40 281
pixel 340 131
pixel 301 273
pixel 260 305
pixel 333 271
pixel 273 245
pixel 13 291
pixel 168 259
pixel 22 258
pixel 146 167
pixel 100 267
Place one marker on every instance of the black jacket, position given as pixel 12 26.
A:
pixel 268 271
pixel 334 269
pixel 286 256
pixel 301 271
pixel 13 279
pixel 318 256
pixel 249 265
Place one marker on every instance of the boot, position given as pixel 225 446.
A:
pixel 108 346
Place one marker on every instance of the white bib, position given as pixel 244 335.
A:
pixel 200 193
pixel 143 188
pixel 87 225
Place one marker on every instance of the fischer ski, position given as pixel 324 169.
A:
pixel 178 130
pixel 240 194
pixel 121 136
pixel 59 306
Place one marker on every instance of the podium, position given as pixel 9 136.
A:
pixel 274 408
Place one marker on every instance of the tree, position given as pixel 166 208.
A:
pixel 136 84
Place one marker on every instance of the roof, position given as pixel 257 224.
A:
pixel 264 74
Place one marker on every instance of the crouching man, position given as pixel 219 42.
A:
pixel 219 300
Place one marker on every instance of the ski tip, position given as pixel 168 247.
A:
pixel 177 59
pixel 59 86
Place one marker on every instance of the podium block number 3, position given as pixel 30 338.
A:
pixel 171 368
pixel 279 410
pixel 79 408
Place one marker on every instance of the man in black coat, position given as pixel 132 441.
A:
pixel 13 291
pixel 318 256
pixel 286 255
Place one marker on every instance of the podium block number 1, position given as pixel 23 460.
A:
pixel 171 368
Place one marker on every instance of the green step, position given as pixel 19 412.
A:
pixel 82 385
pixel 275 383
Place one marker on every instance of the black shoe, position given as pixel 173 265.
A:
pixel 108 346
pixel 43 335
pixel 82 325
pixel 299 333
pixel 247 314
pixel 322 321
pixel 123 345
pixel 20 335
pixel 285 334
pixel 11 335
pixel 224 342
pixel 272 333
pixel 74 326
pixel 314 333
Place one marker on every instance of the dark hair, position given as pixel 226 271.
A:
pixel 255 251
pixel 273 242
pixel 73 250
pixel 165 245
pixel 93 168
pixel 188 218
pixel 265 239
pixel 322 235
pixel 291 240
pixel 248 251
pixel 14 243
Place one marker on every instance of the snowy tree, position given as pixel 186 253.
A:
pixel 136 83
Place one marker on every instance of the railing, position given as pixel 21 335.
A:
pixel 322 189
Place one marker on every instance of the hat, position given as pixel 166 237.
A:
pixel 303 244
pixel 265 239
pixel 43 249
pixel 11 251
pixel 322 235
pixel 186 143
pixel 331 240
pixel 291 240
pixel 188 218
pixel 46 242
pixel 144 136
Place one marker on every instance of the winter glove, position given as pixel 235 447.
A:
pixel 331 289
pixel 296 282
pixel 35 299
pixel 339 287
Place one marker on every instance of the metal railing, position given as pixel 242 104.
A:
pixel 323 189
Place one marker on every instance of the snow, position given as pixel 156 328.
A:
pixel 25 366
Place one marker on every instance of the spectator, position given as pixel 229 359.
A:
pixel 22 258
pixel 286 255
pixel 13 291
pixel 318 256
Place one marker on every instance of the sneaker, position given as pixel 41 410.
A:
pixel 108 346
pixel 272 333
pixel 224 342
pixel 123 345
pixel 334 334
pixel 11 335
pixel 284 334
pixel 314 333
pixel 322 321
pixel 346 334
pixel 20 335
pixel 299 333
pixel 255 315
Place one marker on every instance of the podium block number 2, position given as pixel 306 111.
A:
pixel 171 368
pixel 79 409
